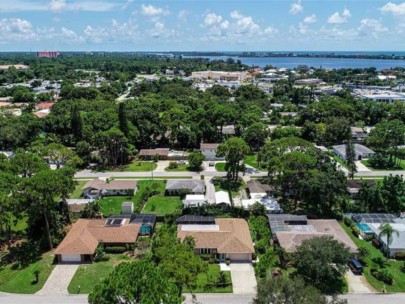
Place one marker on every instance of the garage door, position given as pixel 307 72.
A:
pixel 240 257
pixel 71 258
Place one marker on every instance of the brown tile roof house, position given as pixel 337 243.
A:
pixel 83 238
pixel 228 238
pixel 296 234
pixel 162 152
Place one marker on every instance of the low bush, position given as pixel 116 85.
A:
pixel 115 249
pixel 348 222
pixel 400 256
pixel 173 165
pixel 356 231
pixel 382 275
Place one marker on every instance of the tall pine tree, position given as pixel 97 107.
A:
pixel 122 119
pixel 76 123
pixel 351 159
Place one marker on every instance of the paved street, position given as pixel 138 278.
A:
pixel 398 298
pixel 59 280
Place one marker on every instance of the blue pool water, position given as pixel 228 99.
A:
pixel 364 227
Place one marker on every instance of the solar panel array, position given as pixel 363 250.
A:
pixel 149 219
pixel 279 222
pixel 113 222
pixel 375 218
pixel 196 219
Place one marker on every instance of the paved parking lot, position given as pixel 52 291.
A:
pixel 243 278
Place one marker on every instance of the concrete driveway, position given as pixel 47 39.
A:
pixel 59 280
pixel 358 283
pixel 360 167
pixel 209 189
pixel 243 278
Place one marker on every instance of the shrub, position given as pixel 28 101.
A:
pixel 261 246
pixel 348 222
pixel 115 249
pixel 382 275
pixel 173 165
pixel 228 262
pixel 400 256
pixel 356 230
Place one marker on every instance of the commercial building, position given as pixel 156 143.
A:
pixel 221 76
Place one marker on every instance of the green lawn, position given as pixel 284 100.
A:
pixel 78 191
pixel 210 277
pixel 113 204
pixel 340 161
pixel 158 204
pixel 251 160
pixel 377 260
pixel 89 275
pixel 220 167
pixel 181 168
pixel 140 166
pixel 23 280
pixel 221 184
pixel 367 164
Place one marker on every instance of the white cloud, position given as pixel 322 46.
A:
pixel 310 19
pixel 296 7
pixel 244 24
pixel 371 27
pixel 16 29
pixel 338 18
pixel 21 5
pixel 57 5
pixel 211 19
pixel 153 11
pixel 395 9
pixel 183 15
pixel 127 4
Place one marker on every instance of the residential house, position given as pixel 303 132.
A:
pixel 228 130
pixel 291 230
pixel 97 188
pixel 354 186
pixel 270 204
pixel 358 134
pixel 147 222
pixel 179 187
pixel 210 151
pixel 194 200
pixel 150 154
pixel 258 190
pixel 361 151
pixel 226 238
pixel 222 199
pixel 81 242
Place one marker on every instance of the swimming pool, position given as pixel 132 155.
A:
pixel 364 228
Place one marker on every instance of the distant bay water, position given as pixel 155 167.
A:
pixel 325 63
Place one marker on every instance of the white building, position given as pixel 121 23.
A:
pixel 379 95
pixel 222 198
pixel 220 76
pixel 194 200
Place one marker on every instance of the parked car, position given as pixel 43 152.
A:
pixel 356 266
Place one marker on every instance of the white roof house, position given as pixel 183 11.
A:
pixel 398 241
pixel 360 151
pixel 270 204
pixel 222 198
pixel 194 200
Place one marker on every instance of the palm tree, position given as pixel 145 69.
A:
pixel 387 230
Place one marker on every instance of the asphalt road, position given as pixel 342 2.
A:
pixel 398 298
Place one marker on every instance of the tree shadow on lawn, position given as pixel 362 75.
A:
pixel 381 262
pixel 21 255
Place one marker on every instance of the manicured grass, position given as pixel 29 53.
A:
pixel 140 166
pixel 251 160
pixel 376 259
pixel 340 161
pixel 366 162
pixel 113 204
pixel 220 167
pixel 23 280
pixel 78 191
pixel 181 168
pixel 158 204
pixel 210 277
pixel 89 275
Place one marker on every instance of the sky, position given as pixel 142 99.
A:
pixel 209 25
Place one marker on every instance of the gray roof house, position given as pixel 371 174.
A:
pixel 174 187
pixel 360 151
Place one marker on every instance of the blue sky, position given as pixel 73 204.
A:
pixel 193 25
